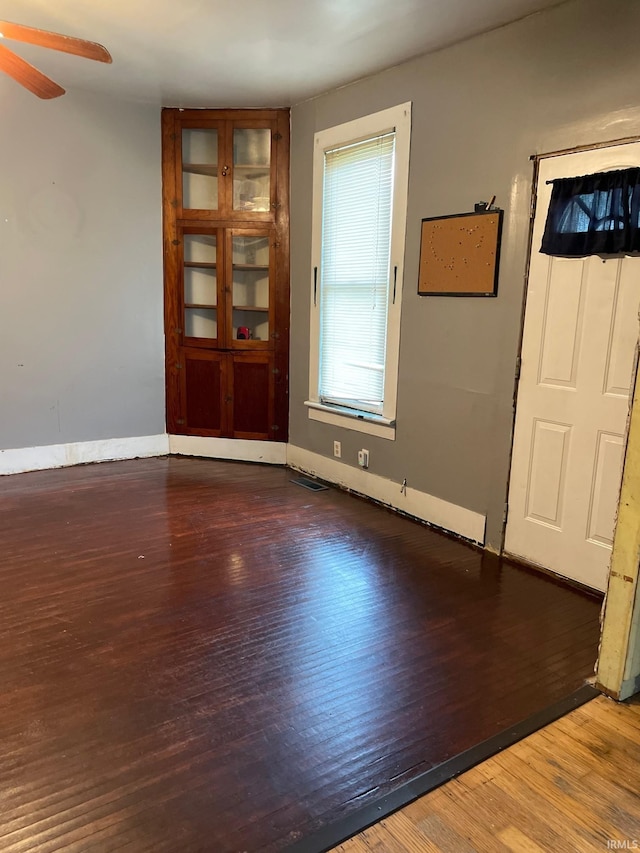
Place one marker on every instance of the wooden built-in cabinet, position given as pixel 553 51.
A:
pixel 226 248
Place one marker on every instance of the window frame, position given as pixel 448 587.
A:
pixel 398 118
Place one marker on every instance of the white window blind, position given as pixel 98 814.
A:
pixel 354 272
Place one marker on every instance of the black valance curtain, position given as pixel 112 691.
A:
pixel 594 215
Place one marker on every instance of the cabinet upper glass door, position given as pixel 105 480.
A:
pixel 200 168
pixel 250 289
pixel 252 169
pixel 200 287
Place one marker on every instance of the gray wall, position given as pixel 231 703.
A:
pixel 566 77
pixel 81 330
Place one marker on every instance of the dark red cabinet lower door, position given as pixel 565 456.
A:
pixel 251 390
pixel 225 394
pixel 204 393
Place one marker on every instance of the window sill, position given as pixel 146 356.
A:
pixel 370 424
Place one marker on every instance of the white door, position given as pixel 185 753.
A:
pixel 580 333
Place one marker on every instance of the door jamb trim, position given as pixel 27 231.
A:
pixel 593 146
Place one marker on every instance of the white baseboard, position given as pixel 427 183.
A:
pixel 441 513
pixel 241 450
pixel 62 455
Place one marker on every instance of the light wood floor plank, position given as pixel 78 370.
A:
pixel 440 831
pixel 500 804
pixel 519 843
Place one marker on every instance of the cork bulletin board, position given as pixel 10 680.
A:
pixel 459 254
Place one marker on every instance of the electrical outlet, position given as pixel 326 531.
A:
pixel 363 458
pixel 337 449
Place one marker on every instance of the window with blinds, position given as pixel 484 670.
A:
pixel 355 271
pixel 360 186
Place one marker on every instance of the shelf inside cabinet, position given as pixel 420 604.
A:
pixel 201 168
pixel 251 308
pixel 200 305
pixel 250 267
pixel 252 167
pixel 200 265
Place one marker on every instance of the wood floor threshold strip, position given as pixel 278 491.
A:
pixel 335 833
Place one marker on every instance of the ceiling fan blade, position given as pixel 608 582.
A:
pixel 55 41
pixel 28 76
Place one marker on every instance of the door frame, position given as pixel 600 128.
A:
pixel 618 662
pixel 535 159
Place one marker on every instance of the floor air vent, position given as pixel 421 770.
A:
pixel 312 485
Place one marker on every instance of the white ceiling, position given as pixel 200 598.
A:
pixel 241 53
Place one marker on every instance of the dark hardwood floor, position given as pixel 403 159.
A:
pixel 202 656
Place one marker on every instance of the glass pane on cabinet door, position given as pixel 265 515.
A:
pixel 250 294
pixel 200 323
pixel 199 249
pixel 200 286
pixel 252 169
pixel 199 169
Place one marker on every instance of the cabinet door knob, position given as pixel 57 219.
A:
pixel 225 171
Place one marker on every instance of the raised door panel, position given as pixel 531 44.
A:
pixel 545 493
pixel 251 390
pixel 204 393
pixel 562 323
pixel 605 487
pixel 623 333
